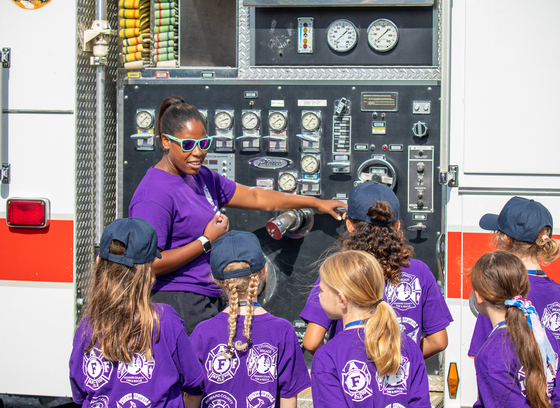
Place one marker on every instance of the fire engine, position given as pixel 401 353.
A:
pixel 452 104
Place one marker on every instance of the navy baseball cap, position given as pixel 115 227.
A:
pixel 364 195
pixel 520 219
pixel 139 238
pixel 236 246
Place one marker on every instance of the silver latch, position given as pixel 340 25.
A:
pixel 6 57
pixel 451 177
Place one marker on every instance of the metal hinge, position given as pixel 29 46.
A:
pixel 6 57
pixel 96 41
pixel 5 173
pixel 450 177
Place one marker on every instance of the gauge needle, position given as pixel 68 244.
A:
pixel 342 35
pixel 379 38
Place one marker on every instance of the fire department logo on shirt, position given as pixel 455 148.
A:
pixel 219 369
pixel 356 380
pixel 395 405
pixel 261 363
pixel 406 294
pixel 219 399
pixel 138 371
pixel 96 369
pixel 260 399
pixel 100 402
pixel 550 379
pixel 395 384
pixel 209 198
pixel 551 318
pixel 410 327
pixel 134 400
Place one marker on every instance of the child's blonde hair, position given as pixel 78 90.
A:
pixel 358 276
pixel 545 248
pixel 249 285
pixel 119 311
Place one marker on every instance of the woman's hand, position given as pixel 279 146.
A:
pixel 333 207
pixel 217 227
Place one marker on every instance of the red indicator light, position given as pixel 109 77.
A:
pixel 304 45
pixel 31 213
pixel 384 147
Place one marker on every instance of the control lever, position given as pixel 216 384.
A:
pixel 248 137
pixel 308 181
pixel 307 138
pixel 339 163
pixel 341 107
pixel 274 138
pixel 292 223
pixel 416 227
pixel 222 138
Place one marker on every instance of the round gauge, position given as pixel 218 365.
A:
pixel 382 35
pixel 309 163
pixel 223 120
pixel 342 35
pixel 287 182
pixel 277 121
pixel 144 119
pixel 250 120
pixel 310 121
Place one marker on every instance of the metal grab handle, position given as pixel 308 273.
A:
pixel 440 256
pixel 340 163
pixel 275 138
pixel 416 227
pixel 313 139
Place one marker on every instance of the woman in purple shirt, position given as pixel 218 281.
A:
pixel 516 366
pixel 181 198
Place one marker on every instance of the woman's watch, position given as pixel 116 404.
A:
pixel 206 244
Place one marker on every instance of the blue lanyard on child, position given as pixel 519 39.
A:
pixel 498 326
pixel 536 272
pixel 244 303
pixel 354 323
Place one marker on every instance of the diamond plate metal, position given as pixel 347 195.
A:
pixel 85 147
pixel 246 71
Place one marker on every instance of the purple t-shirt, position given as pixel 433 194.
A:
pixel 99 383
pixel 544 294
pixel 180 208
pixel 500 376
pixel 417 301
pixel 272 368
pixel 343 376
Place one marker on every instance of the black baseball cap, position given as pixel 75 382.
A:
pixel 138 236
pixel 364 195
pixel 521 219
pixel 236 246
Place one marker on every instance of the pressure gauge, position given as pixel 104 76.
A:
pixel 277 122
pixel 310 121
pixel 144 119
pixel 250 120
pixel 342 35
pixel 287 182
pixel 310 163
pixel 223 120
pixel 382 35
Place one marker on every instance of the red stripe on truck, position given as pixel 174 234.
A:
pixel 37 254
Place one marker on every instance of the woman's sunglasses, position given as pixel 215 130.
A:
pixel 188 145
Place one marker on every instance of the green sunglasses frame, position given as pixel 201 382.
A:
pixel 196 142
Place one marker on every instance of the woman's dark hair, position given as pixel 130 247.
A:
pixel 499 276
pixel 385 242
pixel 174 113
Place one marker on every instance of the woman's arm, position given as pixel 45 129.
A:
pixel 192 401
pixel 432 344
pixel 257 198
pixel 288 402
pixel 314 337
pixel 173 259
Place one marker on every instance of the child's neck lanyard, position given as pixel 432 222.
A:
pixel 354 323
pixel 244 303
pixel 498 326
pixel 536 272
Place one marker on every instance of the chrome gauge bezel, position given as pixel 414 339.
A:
pixel 307 119
pixel 333 35
pixel 271 123
pixel 373 41
pixel 286 179
pixel 223 120
pixel 144 119
pixel 311 159
pixel 250 120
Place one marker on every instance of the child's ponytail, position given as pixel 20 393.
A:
pixel 548 246
pixel 383 339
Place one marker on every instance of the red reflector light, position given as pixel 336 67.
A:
pixel 31 213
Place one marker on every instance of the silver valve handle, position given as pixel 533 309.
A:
pixel 420 129
pixel 308 181
pixel 341 107
pixel 222 138
pixel 307 138
pixel 273 138
pixel 248 137
pixel 141 135
pixel 416 227
pixel 339 163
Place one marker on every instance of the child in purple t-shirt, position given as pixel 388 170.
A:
pixel 410 287
pixel 516 366
pixel 250 357
pixel 127 351
pixel 369 363
pixel 523 228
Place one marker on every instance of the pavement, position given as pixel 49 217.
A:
pixel 11 401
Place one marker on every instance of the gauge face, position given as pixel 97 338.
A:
pixel 382 35
pixel 310 121
pixel 277 121
pixel 287 182
pixel 342 35
pixel 250 120
pixel 144 119
pixel 223 120
pixel 309 164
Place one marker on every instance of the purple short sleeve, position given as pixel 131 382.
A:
pixel 313 312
